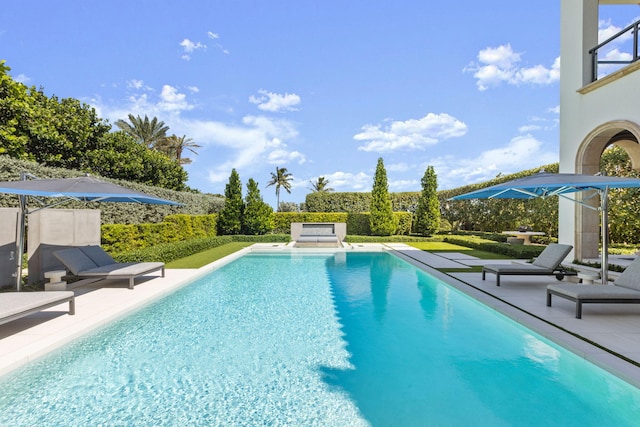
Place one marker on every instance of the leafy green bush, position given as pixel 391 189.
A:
pixel 128 237
pixel 477 242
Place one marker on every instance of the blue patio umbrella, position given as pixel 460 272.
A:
pixel 84 189
pixel 545 184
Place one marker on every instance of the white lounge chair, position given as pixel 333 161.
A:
pixel 93 261
pixel 546 264
pixel 624 290
pixel 14 305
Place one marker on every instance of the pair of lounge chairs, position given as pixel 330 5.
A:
pixel 93 262
pixel 624 290
pixel 548 263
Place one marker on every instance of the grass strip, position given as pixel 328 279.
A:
pixel 205 257
pixel 450 247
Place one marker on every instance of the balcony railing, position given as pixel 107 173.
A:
pixel 620 39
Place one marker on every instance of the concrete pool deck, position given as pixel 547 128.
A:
pixel 614 329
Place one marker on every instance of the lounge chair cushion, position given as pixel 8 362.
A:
pixel 517 269
pixel 630 278
pixel 75 260
pixel 98 255
pixel 552 256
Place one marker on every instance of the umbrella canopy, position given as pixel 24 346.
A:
pixel 84 189
pixel 559 184
pixel 549 184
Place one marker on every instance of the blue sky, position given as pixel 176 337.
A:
pixel 321 88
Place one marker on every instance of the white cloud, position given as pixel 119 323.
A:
pixel 398 167
pixel 138 85
pixel 281 156
pixel 193 89
pixel 500 64
pixel 22 78
pixel 521 153
pixel 215 36
pixel 410 134
pixel 171 100
pixel 347 181
pixel 257 140
pixel 528 128
pixel 274 102
pixel 404 184
pixel 189 47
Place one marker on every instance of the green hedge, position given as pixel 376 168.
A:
pixel 357 202
pixel 167 252
pixel 128 237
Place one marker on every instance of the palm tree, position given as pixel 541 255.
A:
pixel 280 179
pixel 146 132
pixel 173 146
pixel 320 186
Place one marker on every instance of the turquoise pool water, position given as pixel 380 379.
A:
pixel 343 339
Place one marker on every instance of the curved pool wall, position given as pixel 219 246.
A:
pixel 316 339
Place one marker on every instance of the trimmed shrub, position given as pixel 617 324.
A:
pixel 168 252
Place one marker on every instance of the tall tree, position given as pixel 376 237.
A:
pixel 258 215
pixel 146 132
pixel 320 185
pixel 427 215
pixel 230 217
pixel 174 146
pixel 54 132
pixel 381 216
pixel 283 179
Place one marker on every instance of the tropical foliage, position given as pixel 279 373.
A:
pixel 68 134
pixel 174 146
pixel 281 179
pixel 321 185
pixel 144 131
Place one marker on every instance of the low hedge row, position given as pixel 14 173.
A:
pixel 167 252
pixel 484 244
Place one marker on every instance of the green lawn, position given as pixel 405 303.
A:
pixel 203 258
pixel 449 247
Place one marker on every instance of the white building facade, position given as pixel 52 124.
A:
pixel 598 107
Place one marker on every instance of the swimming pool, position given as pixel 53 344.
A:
pixel 335 339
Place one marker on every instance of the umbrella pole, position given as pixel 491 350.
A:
pixel 604 262
pixel 20 245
